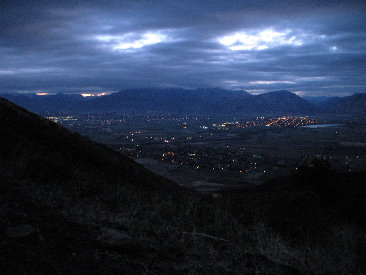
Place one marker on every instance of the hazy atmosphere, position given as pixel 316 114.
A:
pixel 312 48
pixel 183 137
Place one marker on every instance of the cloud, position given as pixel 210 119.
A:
pixel 131 40
pixel 95 46
pixel 261 40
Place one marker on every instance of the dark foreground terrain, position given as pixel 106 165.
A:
pixel 70 205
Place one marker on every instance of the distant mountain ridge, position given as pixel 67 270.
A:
pixel 208 101
pixel 179 101
pixel 355 105
pixel 200 102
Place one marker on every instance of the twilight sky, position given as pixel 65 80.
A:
pixel 308 47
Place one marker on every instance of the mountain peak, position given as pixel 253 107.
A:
pixel 280 92
pixel 285 102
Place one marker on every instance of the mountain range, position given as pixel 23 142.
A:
pixel 212 102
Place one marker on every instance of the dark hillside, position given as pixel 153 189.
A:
pixel 313 196
pixel 40 150
pixel 315 207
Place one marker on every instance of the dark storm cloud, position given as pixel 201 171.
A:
pixel 310 47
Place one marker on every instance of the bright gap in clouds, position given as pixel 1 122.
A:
pixel 270 82
pixel 259 41
pixel 132 40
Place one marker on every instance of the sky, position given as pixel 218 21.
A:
pixel 312 48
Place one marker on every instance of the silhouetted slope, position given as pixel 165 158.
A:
pixel 58 192
pixel 36 148
pixel 59 103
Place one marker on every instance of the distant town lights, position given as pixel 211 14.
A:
pixel 92 94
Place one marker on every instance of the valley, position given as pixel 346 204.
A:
pixel 213 153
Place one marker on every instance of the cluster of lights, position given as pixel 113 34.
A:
pixel 92 94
